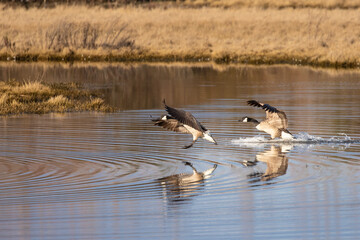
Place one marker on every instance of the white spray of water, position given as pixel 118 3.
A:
pixel 300 138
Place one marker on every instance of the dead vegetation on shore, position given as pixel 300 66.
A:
pixel 325 4
pixel 320 37
pixel 38 97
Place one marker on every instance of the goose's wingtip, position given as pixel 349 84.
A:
pixel 254 103
pixel 251 101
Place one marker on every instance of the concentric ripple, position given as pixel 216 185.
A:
pixel 58 158
pixel 77 157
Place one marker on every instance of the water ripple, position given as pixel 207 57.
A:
pixel 110 161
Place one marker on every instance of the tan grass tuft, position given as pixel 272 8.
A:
pixel 32 87
pixel 58 100
pixel 15 103
pixel 4 98
pixel 97 101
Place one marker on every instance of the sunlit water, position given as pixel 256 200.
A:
pixel 116 176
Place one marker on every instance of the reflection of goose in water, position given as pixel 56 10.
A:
pixel 183 185
pixel 275 123
pixel 184 122
pixel 276 162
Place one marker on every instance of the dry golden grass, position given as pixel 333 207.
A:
pixel 37 97
pixel 30 87
pixel 328 37
pixel 58 100
pixel 329 4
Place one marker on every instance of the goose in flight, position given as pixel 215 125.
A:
pixel 275 123
pixel 183 122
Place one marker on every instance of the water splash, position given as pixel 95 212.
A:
pixel 300 138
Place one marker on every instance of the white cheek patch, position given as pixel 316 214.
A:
pixel 164 118
pixel 209 138
pixel 245 120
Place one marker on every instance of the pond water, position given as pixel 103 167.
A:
pixel 116 176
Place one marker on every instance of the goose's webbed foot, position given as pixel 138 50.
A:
pixel 189 146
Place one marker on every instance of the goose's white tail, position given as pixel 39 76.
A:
pixel 286 135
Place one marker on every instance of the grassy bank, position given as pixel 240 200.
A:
pixel 311 36
pixel 37 97
pixel 326 4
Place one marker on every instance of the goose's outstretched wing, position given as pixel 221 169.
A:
pixel 266 107
pixel 274 117
pixel 184 118
pixel 254 103
pixel 170 124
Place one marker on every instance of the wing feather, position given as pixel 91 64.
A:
pixel 269 108
pixel 171 124
pixel 185 118
pixel 277 119
pixel 254 103
pixel 266 107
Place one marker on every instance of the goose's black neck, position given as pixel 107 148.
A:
pixel 252 120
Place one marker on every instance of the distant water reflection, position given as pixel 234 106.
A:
pixel 117 176
pixel 143 86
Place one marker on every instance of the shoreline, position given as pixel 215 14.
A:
pixel 153 58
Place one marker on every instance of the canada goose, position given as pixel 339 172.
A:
pixel 184 122
pixel 274 124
